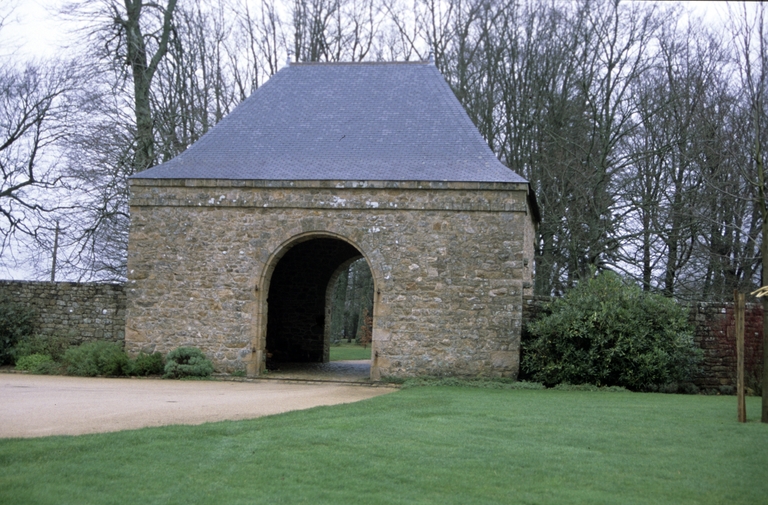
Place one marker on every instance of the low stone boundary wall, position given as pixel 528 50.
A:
pixel 714 327
pixel 96 311
pixel 82 312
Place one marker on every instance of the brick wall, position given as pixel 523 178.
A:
pixel 715 335
pixel 81 311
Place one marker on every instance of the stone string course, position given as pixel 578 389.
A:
pixel 82 312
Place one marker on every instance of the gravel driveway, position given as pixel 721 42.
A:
pixel 39 405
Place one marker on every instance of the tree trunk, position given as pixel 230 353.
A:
pixel 142 72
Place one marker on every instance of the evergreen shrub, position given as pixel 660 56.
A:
pixel 33 362
pixel 149 364
pixel 187 362
pixel 50 368
pixel 97 358
pixel 53 345
pixel 16 322
pixel 609 333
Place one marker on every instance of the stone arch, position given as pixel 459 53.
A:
pixel 339 252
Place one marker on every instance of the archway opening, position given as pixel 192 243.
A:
pixel 300 300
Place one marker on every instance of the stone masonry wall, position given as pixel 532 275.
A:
pixel 94 311
pixel 714 333
pixel 83 312
pixel 448 262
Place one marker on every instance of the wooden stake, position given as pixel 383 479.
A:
pixel 739 299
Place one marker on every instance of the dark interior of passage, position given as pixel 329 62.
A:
pixel 297 298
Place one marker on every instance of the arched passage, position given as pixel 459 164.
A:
pixel 298 296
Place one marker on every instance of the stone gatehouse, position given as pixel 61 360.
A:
pixel 235 244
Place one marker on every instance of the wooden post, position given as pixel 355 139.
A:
pixel 739 299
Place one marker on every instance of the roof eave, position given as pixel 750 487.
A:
pixel 336 184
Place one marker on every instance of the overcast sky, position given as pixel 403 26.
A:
pixel 31 29
pixel 35 30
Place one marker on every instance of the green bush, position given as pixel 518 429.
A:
pixel 33 362
pixel 97 358
pixel 53 345
pixel 50 368
pixel 187 362
pixel 149 364
pixel 16 322
pixel 608 333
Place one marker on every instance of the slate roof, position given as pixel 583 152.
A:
pixel 344 121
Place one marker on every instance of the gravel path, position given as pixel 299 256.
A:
pixel 352 370
pixel 38 405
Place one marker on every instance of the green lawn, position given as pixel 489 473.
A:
pixel 344 351
pixel 440 445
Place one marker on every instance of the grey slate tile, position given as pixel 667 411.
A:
pixel 344 121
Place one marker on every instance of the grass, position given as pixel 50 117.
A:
pixel 344 351
pixel 441 445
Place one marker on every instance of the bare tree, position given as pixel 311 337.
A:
pixel 133 37
pixel 313 21
pixel 143 64
pixel 732 241
pixel 666 188
pixel 34 109
pixel 264 47
pixel 751 39
pixel 114 134
pixel 194 86
pixel 334 30
pixel 566 93
pixel 99 158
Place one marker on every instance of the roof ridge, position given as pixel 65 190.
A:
pixel 331 63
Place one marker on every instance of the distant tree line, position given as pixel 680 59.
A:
pixel 352 304
pixel 639 127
